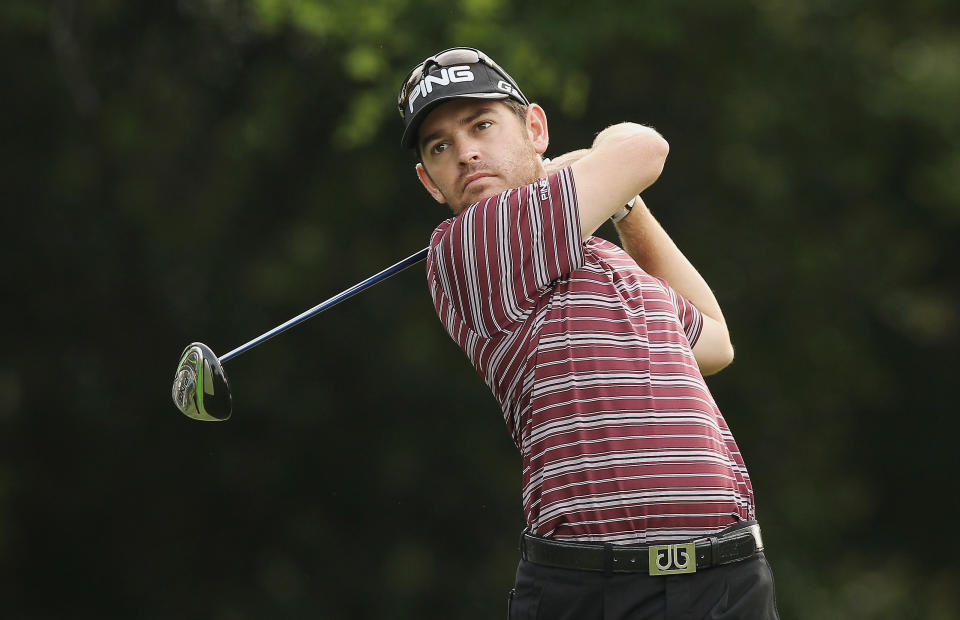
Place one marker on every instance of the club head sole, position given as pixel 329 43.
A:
pixel 201 389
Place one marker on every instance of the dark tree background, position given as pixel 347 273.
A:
pixel 205 169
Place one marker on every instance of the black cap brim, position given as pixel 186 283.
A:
pixel 409 138
pixel 442 84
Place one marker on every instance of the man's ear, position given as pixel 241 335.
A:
pixel 429 185
pixel 537 128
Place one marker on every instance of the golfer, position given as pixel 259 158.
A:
pixel 637 500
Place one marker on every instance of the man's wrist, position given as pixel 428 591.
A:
pixel 624 211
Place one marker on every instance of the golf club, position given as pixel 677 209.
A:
pixel 201 389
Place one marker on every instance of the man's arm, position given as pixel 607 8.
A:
pixel 624 160
pixel 648 244
pixel 652 248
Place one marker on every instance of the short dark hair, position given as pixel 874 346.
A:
pixel 519 110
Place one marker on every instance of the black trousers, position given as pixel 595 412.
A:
pixel 732 591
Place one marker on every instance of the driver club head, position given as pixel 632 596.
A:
pixel 201 389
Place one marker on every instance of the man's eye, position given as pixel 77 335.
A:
pixel 439 148
pixel 484 124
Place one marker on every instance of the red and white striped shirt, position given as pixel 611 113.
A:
pixel 590 359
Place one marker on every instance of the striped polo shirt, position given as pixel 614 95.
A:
pixel 590 359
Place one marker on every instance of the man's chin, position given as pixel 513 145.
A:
pixel 481 190
pixel 484 195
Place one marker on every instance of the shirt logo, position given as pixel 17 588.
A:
pixel 447 76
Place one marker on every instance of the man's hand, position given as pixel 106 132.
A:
pixel 561 162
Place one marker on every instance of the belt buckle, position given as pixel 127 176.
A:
pixel 672 559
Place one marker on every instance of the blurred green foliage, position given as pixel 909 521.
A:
pixel 207 168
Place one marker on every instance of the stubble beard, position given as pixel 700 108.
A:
pixel 518 170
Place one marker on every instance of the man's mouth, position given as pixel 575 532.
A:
pixel 475 177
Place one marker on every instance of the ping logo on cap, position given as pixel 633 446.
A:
pixel 505 87
pixel 447 76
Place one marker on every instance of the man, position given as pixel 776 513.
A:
pixel 637 501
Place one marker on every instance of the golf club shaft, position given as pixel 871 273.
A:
pixel 350 292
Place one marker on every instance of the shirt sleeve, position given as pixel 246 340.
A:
pixel 493 260
pixel 691 319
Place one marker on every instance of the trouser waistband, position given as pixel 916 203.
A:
pixel 731 545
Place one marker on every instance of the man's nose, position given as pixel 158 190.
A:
pixel 468 150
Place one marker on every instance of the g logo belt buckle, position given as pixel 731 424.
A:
pixel 672 559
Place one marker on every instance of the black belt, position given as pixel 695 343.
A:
pixel 731 545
